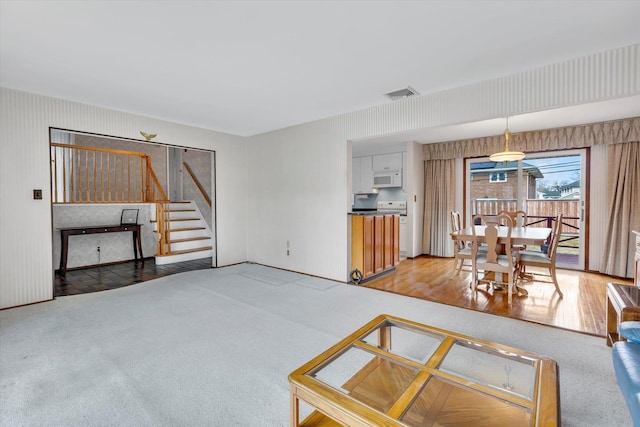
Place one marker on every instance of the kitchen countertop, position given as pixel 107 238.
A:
pixel 377 213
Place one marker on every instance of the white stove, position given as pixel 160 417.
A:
pixel 393 207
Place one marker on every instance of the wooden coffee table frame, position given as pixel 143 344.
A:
pixel 334 407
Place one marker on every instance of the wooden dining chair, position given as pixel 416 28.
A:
pixel 461 249
pixel 498 257
pixel 547 260
pixel 518 218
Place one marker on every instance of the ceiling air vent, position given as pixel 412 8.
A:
pixel 402 93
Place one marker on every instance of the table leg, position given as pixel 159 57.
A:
pixel 64 246
pixel 295 410
pixel 137 244
pixel 384 339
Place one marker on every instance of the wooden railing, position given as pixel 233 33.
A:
pixel 98 175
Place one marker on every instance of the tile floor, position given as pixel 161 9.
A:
pixel 102 278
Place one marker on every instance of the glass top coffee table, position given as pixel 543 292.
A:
pixel 395 372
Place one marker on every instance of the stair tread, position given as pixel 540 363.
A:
pixel 154 221
pixel 192 239
pixel 187 229
pixel 188 251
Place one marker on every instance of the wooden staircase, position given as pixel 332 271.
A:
pixel 190 235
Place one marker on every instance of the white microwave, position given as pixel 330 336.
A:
pixel 387 178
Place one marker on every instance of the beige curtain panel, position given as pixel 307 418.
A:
pixel 613 132
pixel 624 209
pixel 439 201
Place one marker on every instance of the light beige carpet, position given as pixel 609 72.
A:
pixel 214 347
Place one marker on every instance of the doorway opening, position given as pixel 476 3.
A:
pixel 95 177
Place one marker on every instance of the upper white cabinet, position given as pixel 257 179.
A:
pixel 362 174
pixel 387 161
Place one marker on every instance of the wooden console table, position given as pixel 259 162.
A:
pixel 97 229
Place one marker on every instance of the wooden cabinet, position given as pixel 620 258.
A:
pixel 623 301
pixel 367 255
pixel 388 260
pixel 387 161
pixel 375 244
pixel 623 304
pixel 378 244
pixel 361 174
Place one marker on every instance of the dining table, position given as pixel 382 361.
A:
pixel 519 236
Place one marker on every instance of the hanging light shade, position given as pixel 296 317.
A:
pixel 506 155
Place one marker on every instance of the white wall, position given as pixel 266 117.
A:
pixel 415 198
pixel 25 224
pixel 299 193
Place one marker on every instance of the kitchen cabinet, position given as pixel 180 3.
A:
pixel 361 174
pixel 363 243
pixel 379 249
pixel 375 244
pixel 382 162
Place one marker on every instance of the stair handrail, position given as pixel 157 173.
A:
pixel 151 192
pixel 197 182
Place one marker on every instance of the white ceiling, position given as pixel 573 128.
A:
pixel 248 67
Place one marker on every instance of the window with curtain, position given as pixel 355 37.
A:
pixel 624 209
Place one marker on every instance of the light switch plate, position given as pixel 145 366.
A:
pixel 37 194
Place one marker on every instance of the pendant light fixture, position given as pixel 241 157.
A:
pixel 506 155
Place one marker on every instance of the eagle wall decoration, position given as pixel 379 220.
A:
pixel 147 136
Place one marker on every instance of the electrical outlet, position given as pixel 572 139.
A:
pixel 98 248
pixel 287 252
pixel 37 194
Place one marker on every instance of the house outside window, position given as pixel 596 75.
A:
pixel 498 177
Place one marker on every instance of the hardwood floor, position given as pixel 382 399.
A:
pixel 581 309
